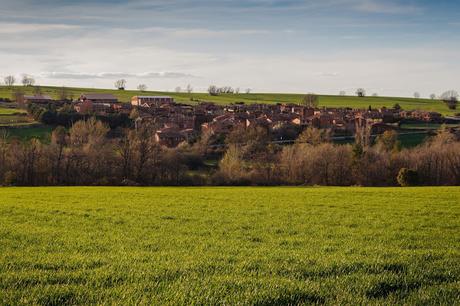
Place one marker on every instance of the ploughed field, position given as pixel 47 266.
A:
pixel 264 246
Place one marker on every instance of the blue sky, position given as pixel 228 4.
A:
pixel 389 47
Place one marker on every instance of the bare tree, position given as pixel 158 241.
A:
pixel 450 98
pixel 237 90
pixel 361 92
pixel 375 94
pixel 213 90
pixel 314 136
pixel 10 80
pixel 231 165
pixel 18 96
pixel 416 95
pixel 142 87
pixel 311 100
pixel 342 93
pixel 433 96
pixel 120 84
pixel 63 93
pixel 248 91
pixel 178 89
pixel 387 142
pixel 189 88
pixel 27 80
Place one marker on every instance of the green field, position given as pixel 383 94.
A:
pixel 11 111
pixel 37 131
pixel 427 126
pixel 214 246
pixel 14 120
pixel 325 100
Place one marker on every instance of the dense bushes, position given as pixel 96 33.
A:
pixel 67 116
pixel 407 177
pixel 434 163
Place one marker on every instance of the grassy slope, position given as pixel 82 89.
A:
pixel 41 132
pixel 265 246
pixel 332 101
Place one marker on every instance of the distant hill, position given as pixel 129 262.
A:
pixel 325 100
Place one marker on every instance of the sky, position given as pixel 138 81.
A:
pixel 388 47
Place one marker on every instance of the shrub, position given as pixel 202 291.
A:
pixel 407 177
pixel 10 178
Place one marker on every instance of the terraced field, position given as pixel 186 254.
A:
pixel 261 246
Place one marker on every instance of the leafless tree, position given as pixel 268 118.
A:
pixel 27 80
pixel 449 95
pixel 18 96
pixel 189 89
pixel 231 165
pixel 237 90
pixel 10 80
pixel 416 95
pixel 178 89
pixel 361 92
pixel 213 90
pixel 433 96
pixel 248 91
pixel 342 93
pixel 375 94
pixel 314 136
pixel 63 93
pixel 142 87
pixel 120 84
pixel 310 100
pixel 450 98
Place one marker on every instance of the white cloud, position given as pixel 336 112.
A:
pixel 15 28
pixel 111 75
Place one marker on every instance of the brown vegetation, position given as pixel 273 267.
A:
pixel 87 155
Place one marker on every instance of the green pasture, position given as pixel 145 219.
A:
pixel 325 100
pixel 37 131
pixel 230 246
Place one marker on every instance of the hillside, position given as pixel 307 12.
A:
pixel 210 246
pixel 325 100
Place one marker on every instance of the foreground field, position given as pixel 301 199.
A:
pixel 264 246
pixel 325 100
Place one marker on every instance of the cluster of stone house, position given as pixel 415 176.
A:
pixel 101 104
pixel 175 122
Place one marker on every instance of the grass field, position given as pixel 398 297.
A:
pixel 14 120
pixel 330 101
pixel 41 132
pixel 11 111
pixel 427 126
pixel 262 246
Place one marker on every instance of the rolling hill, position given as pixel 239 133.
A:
pixel 325 100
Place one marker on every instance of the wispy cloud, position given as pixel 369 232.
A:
pixel 328 74
pixel 198 32
pixel 387 7
pixel 15 28
pixel 110 75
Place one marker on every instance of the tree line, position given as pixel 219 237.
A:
pixel 86 154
